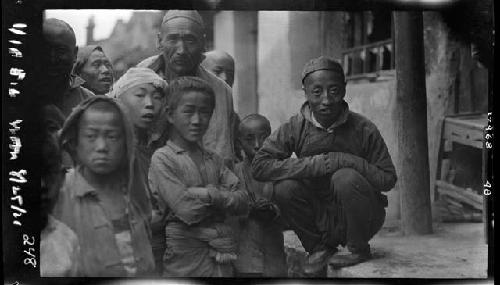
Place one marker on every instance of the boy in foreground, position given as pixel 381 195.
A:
pixel 195 186
pixel 101 199
pixel 261 251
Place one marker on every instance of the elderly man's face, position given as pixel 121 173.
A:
pixel 325 91
pixel 59 53
pixel 182 43
pixel 98 73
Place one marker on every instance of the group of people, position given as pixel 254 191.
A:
pixel 156 175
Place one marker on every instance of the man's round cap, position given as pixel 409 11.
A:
pixel 188 14
pixel 322 63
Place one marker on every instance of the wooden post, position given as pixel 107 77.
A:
pixel 411 122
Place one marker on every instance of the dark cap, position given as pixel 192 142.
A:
pixel 188 14
pixel 322 63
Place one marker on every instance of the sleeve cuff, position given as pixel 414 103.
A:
pixel 216 197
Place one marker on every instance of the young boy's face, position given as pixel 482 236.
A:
pixel 191 117
pixel 101 140
pixel 253 133
pixel 144 103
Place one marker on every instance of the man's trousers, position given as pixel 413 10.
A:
pixel 343 208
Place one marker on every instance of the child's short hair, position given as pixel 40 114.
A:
pixel 184 84
pixel 254 117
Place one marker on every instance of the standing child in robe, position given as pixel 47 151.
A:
pixel 196 187
pixel 102 200
pixel 144 92
pixel 261 250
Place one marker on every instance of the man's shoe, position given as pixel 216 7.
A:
pixel 318 260
pixel 351 259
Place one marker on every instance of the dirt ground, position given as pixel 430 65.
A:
pixel 454 250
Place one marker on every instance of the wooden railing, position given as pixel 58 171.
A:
pixel 368 59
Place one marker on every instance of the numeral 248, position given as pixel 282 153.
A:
pixel 31 259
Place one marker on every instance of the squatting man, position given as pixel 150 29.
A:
pixel 331 194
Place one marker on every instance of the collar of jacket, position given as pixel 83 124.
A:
pixel 158 65
pixel 178 150
pixel 306 112
pixel 75 81
pixel 82 187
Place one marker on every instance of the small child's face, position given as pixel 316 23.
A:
pixel 253 133
pixel 144 103
pixel 101 141
pixel 192 115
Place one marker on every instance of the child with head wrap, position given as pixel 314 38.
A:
pixel 143 93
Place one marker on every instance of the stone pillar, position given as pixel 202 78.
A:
pixel 236 34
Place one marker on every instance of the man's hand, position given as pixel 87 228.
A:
pixel 200 193
pixel 264 211
pixel 338 160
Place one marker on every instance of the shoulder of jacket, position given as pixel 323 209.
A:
pixel 148 61
pixel 214 80
pixel 86 92
pixel 362 123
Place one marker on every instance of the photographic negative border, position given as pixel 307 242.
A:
pixel 21 32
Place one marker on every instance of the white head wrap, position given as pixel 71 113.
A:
pixel 136 76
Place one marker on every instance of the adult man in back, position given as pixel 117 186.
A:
pixel 330 194
pixel 221 64
pixel 182 41
pixel 95 68
pixel 57 83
